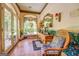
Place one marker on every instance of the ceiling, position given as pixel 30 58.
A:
pixel 31 7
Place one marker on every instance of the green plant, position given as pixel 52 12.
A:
pixel 51 32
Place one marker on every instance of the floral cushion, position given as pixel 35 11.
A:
pixel 71 50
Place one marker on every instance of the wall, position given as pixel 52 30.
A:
pixel 67 21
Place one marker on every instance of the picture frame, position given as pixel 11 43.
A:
pixel 58 16
pixel 48 20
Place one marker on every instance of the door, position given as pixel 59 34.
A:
pixel 15 29
pixel 7 29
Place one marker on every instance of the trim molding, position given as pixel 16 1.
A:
pixel 30 12
pixel 44 7
pixel 17 6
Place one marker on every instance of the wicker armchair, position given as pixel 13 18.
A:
pixel 57 50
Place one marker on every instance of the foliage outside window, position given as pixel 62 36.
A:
pixel 30 26
pixel 7 28
pixel 15 29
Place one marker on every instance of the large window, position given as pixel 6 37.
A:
pixel 7 28
pixel 10 29
pixel 15 28
pixel 30 26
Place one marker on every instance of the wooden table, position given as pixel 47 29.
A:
pixel 45 38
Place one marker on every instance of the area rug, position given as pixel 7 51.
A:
pixel 37 44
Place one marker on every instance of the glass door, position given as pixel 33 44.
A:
pixel 15 29
pixel 7 29
pixel 10 29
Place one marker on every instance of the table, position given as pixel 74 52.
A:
pixel 45 38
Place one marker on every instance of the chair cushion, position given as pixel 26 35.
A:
pixel 57 42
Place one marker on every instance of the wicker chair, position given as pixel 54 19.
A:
pixel 57 51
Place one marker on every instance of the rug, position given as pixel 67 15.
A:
pixel 37 44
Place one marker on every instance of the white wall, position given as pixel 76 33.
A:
pixel 67 21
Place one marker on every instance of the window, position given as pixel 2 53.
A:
pixel 7 28
pixel 15 28
pixel 30 26
pixel 10 26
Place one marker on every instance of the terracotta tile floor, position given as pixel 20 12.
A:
pixel 25 48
